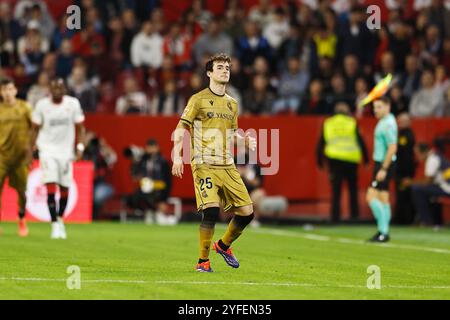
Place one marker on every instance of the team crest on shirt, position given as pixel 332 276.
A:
pixel 211 102
pixel 210 114
pixel 229 106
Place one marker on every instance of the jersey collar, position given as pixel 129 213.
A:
pixel 216 93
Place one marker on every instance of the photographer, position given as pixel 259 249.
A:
pixel 151 172
pixel 104 158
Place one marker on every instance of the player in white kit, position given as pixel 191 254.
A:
pixel 55 120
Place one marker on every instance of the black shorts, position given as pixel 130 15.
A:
pixel 382 185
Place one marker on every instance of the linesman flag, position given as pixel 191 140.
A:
pixel 378 91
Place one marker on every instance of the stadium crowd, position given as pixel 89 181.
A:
pixel 296 57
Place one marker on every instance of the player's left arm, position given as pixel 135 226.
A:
pixel 36 121
pixel 81 136
pixel 250 142
pixel 78 119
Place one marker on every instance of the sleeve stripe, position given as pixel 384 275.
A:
pixel 190 123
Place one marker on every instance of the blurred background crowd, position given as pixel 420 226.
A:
pixel 289 57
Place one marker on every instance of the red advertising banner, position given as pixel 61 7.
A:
pixel 79 204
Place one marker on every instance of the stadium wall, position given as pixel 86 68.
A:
pixel 298 178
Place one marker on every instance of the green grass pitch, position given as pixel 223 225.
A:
pixel 137 261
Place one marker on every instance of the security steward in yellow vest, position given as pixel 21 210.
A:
pixel 343 148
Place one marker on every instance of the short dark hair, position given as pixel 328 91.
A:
pixel 384 99
pixel 5 81
pixel 152 142
pixel 220 57
pixel 423 147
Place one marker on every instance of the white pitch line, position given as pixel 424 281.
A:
pixel 247 283
pixel 284 233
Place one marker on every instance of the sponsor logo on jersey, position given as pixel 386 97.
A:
pixel 59 122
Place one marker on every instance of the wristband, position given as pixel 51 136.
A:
pixel 80 147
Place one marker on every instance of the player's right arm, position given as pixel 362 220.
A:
pixel 37 119
pixel 185 124
pixel 178 166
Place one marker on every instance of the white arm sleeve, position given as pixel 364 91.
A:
pixel 432 166
pixel 78 116
pixel 36 115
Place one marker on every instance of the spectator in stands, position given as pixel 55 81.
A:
pixel 387 67
pixel 234 19
pixel 435 184
pixel 79 87
pixel 133 100
pixel 410 78
pixel 405 170
pixel 152 175
pixel 261 13
pixel 61 33
pixel 45 20
pixel 338 93
pixel 442 81
pixel 314 102
pixel 277 29
pixel 324 72
pixel 194 85
pixel 130 29
pixel 445 57
pixel 258 100
pixel 168 102
pixel 382 45
pixel 355 38
pixel 103 157
pixel 238 78
pixel 167 72
pixel 191 27
pixel 178 45
pixel 157 18
pixel 93 17
pixel 399 103
pixel 201 15
pixel 430 47
pixel 212 41
pixel 147 47
pixel 436 13
pixel 115 42
pixel 426 101
pixel 292 86
pixel 32 47
pixel 351 73
pixel 65 59
pixel 252 45
pixel 445 105
pixel 10 27
pixel 91 46
pixel 261 66
pixel 10 31
pixel 325 42
pixel 400 45
pixel 290 47
pixel 39 90
pixel 49 64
